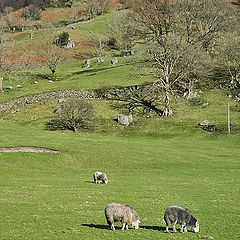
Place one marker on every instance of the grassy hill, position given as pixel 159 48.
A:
pixel 152 164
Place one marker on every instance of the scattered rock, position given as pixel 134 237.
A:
pixel 114 61
pixel 69 43
pixel 100 60
pixel 124 119
pixel 206 126
pixel 204 123
pixel 127 53
pixel 87 63
pixel 61 100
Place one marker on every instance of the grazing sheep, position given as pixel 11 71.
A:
pixel 100 177
pixel 178 215
pixel 121 213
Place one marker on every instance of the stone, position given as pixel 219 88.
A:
pixel 100 60
pixel 87 63
pixel 124 119
pixel 206 126
pixel 204 123
pixel 114 61
pixel 61 100
pixel 70 44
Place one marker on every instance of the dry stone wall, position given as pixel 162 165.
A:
pixel 24 101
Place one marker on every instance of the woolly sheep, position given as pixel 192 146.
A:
pixel 178 215
pixel 121 213
pixel 100 177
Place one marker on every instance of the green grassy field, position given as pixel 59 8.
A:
pixel 51 196
pixel 152 164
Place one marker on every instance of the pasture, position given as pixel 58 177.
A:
pixel 51 195
pixel 152 164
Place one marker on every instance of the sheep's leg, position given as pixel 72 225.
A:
pixel 168 223
pixel 182 228
pixel 174 227
pixel 112 226
pixel 123 226
pixel 185 229
pixel 126 226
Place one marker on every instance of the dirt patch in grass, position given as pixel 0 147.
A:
pixel 27 149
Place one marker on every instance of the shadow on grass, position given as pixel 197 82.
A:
pixel 156 228
pixel 98 226
pixel 96 70
pixel 89 181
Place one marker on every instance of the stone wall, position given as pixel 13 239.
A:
pixel 24 101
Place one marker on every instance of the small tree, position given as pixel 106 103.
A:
pixel 73 115
pixel 99 43
pixel 52 57
pixel 228 53
pixel 31 12
pixel 30 15
pixel 5 65
pixel 96 7
pixel 123 32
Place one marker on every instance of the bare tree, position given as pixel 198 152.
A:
pixel 10 18
pixel 228 53
pixel 30 15
pixel 52 57
pixel 96 7
pixel 99 43
pixel 5 64
pixel 177 33
pixel 122 31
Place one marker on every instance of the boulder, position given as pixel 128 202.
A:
pixel 206 126
pixel 87 63
pixel 204 123
pixel 114 61
pixel 124 119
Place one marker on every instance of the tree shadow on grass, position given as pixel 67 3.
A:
pixel 93 71
pixel 156 228
pixel 98 226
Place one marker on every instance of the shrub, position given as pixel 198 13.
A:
pixel 63 39
pixel 73 115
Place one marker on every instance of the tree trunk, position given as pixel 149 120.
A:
pixel 31 33
pixel 168 110
pixel 1 82
pixel 53 74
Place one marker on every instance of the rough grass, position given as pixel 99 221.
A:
pixel 73 76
